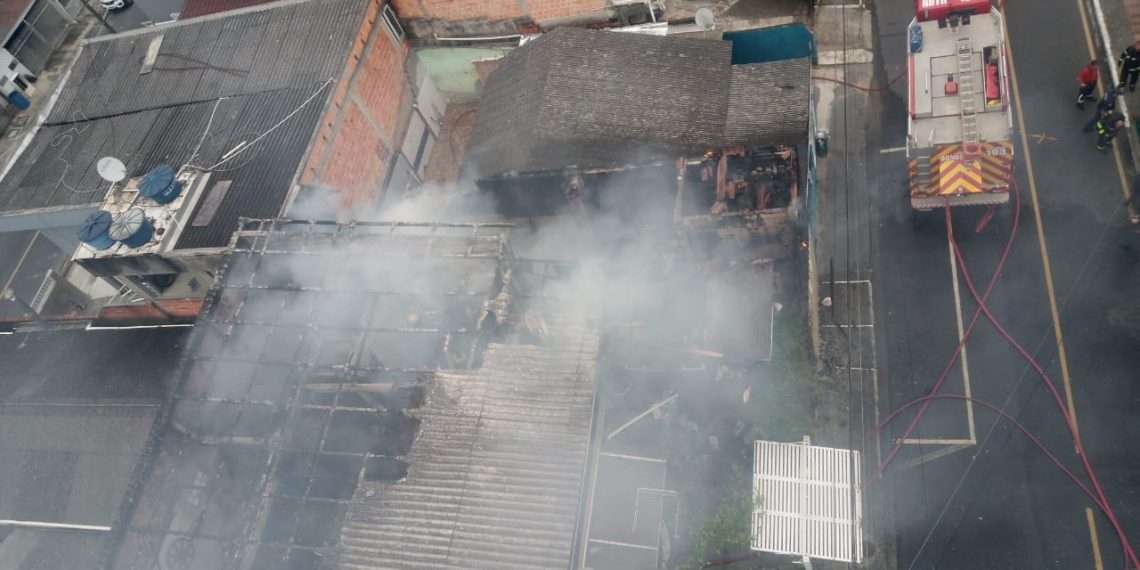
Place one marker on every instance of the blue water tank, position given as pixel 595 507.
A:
pixel 132 228
pixel 915 36
pixel 159 184
pixel 18 100
pixel 94 230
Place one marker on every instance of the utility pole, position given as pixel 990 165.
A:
pixel 96 13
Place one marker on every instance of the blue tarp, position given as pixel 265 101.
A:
pixel 771 44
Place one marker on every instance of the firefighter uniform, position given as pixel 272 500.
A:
pixel 1129 66
pixel 1107 128
pixel 1104 107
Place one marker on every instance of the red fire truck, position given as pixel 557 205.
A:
pixel 958 147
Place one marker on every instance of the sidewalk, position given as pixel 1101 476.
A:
pixel 1121 21
pixel 841 245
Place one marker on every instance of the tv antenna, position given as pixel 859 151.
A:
pixel 111 169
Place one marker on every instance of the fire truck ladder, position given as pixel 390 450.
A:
pixel 966 92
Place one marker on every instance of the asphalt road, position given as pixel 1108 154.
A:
pixel 1000 503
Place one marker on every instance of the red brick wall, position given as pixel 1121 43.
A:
pixel 357 160
pixel 543 10
pixel 354 145
pixel 459 10
pixel 382 82
pixel 463 10
pixel 408 8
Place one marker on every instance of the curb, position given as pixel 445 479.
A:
pixel 1103 36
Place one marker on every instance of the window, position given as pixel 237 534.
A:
pixel 393 23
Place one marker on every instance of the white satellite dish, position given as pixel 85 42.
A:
pixel 111 169
pixel 705 19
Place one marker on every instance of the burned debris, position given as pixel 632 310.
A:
pixel 344 371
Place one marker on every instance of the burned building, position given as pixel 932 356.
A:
pixel 670 131
pixel 573 107
pixel 372 395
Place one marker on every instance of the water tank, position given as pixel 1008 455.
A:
pixel 132 228
pixel 18 100
pixel 159 184
pixel 94 231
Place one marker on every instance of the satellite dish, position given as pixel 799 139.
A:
pixel 111 169
pixel 705 19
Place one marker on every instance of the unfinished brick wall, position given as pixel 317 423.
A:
pixel 357 160
pixel 465 10
pixel 545 10
pixel 353 147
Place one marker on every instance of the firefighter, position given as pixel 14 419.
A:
pixel 1104 107
pixel 1130 66
pixel 1086 80
pixel 1107 128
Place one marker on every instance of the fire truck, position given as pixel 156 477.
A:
pixel 959 149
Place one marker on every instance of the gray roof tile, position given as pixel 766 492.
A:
pixel 260 64
pixel 591 98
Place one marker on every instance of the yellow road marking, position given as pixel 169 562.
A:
pixel 1061 356
pixel 1097 562
pixel 1042 137
pixel 20 262
pixel 1060 339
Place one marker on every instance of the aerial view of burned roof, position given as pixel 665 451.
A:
pixel 367 396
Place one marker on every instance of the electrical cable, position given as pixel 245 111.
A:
pixel 201 65
pixel 1001 412
pixel 234 153
pixel 1069 421
pixel 868 89
pixel 847 269
pixel 206 132
pixel 961 342
pixel 984 309
pixel 1099 498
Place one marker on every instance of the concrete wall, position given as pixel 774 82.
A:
pixel 362 128
pixel 59 225
pixel 453 69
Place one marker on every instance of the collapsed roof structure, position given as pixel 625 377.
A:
pixel 372 395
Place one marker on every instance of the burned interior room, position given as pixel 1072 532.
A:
pixel 740 179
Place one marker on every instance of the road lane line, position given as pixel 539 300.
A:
pixel 892 149
pixel 927 458
pixel 937 441
pixel 1097 562
pixel 1090 44
pixel 961 337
